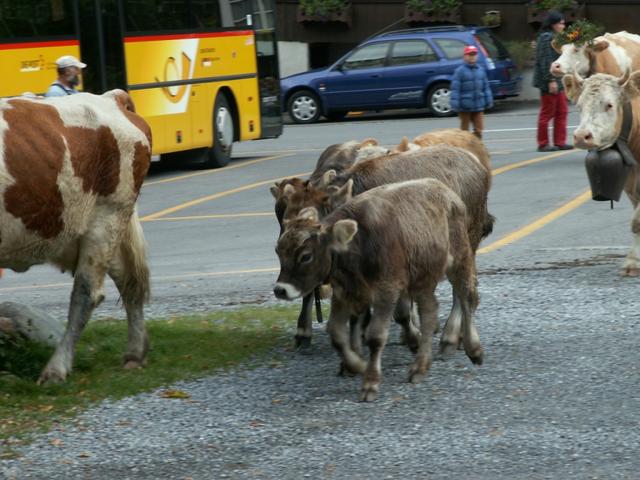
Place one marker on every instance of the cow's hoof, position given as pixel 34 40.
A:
pixel 477 356
pixel 50 376
pixel 630 271
pixel 448 349
pixel 343 371
pixel 415 376
pixel 302 343
pixel 133 364
pixel 369 394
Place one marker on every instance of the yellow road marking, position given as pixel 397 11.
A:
pixel 216 170
pixel 212 216
pixel 538 224
pixel 214 196
pixel 513 166
pixel 510 238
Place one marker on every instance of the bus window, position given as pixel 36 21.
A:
pixel 36 18
pixel 170 15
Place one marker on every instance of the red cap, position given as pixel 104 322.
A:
pixel 470 49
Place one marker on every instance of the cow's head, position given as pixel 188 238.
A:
pixel 600 98
pixel 293 195
pixel 305 249
pixel 576 58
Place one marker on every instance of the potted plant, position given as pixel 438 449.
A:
pixel 537 10
pixel 323 11
pixel 433 11
pixel 491 18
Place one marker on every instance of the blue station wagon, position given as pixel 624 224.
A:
pixel 401 69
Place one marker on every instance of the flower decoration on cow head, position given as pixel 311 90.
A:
pixel 580 32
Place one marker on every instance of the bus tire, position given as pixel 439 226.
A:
pixel 219 154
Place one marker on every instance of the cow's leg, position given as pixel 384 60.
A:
pixel 451 336
pixel 338 331
pixel 130 273
pixel 357 325
pixel 376 338
pixel 403 315
pixel 631 266
pixel 428 311
pixel 463 278
pixel 305 322
pixel 93 260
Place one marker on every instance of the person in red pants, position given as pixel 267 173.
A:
pixel 553 101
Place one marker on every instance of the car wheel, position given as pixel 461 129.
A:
pixel 219 154
pixel 304 107
pixel 336 116
pixel 439 100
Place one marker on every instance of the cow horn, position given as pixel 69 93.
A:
pixel 623 79
pixel 576 75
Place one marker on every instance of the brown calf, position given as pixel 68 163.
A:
pixel 395 240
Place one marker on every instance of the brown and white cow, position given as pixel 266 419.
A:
pixel 391 241
pixel 601 98
pixel 612 53
pixel 457 168
pixel 70 175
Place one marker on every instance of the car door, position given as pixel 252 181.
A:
pixel 358 80
pixel 411 63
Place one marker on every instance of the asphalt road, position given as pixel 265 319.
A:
pixel 211 233
pixel 557 397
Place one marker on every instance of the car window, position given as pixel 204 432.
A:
pixel 494 47
pixel 452 49
pixel 410 52
pixel 370 56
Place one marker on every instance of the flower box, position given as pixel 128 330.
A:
pixel 343 16
pixel 452 15
pixel 571 14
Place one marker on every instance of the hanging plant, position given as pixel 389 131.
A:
pixel 433 11
pixel 491 18
pixel 322 11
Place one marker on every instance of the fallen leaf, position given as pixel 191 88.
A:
pixel 84 454
pixel 46 408
pixel 56 442
pixel 276 401
pixel 174 394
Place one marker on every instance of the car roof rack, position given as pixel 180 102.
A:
pixel 440 28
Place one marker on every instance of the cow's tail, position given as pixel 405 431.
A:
pixel 487 227
pixel 134 255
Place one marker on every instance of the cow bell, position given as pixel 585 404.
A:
pixel 607 172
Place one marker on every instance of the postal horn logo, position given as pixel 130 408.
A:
pixel 175 73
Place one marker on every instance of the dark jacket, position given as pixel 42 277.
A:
pixel 470 90
pixel 545 56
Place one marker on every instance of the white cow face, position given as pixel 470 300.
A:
pixel 572 59
pixel 600 99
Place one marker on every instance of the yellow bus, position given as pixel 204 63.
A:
pixel 203 73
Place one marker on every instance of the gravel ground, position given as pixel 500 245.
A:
pixel 556 398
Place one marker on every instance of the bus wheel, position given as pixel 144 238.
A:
pixel 220 153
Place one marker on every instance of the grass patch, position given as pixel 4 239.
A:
pixel 181 348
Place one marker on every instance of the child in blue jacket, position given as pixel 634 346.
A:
pixel 470 92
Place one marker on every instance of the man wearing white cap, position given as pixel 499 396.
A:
pixel 69 69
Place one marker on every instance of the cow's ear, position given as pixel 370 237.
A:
pixel 600 46
pixel 309 213
pixel 340 196
pixel 328 177
pixel 342 233
pixel 632 86
pixel 556 46
pixel 404 145
pixel 572 86
pixel 275 190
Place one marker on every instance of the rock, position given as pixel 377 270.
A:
pixel 30 324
